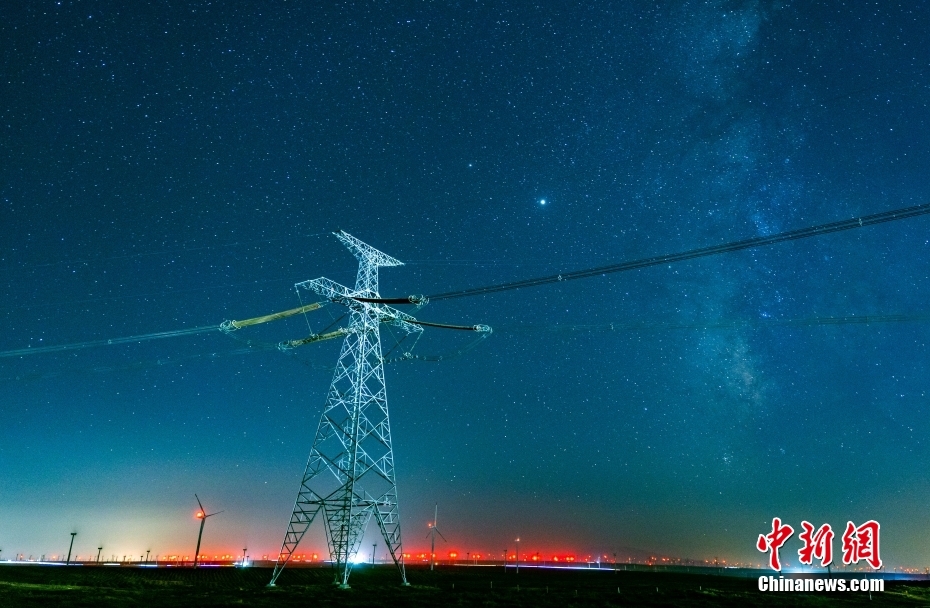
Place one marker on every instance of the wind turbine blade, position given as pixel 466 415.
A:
pixel 201 506
pixel 440 534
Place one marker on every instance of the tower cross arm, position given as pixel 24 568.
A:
pixel 340 294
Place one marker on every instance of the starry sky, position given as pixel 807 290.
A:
pixel 167 165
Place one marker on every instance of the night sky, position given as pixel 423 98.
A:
pixel 168 165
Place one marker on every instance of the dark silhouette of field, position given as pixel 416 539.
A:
pixel 488 587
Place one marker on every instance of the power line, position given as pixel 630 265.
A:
pixel 720 324
pixel 124 340
pixel 253 346
pixel 761 241
pixel 228 328
pixel 868 220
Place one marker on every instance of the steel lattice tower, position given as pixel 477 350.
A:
pixel 350 472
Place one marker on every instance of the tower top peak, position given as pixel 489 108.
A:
pixel 366 253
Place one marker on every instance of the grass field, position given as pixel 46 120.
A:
pixel 32 585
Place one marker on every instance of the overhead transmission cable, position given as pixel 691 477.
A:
pixel 751 243
pixel 252 346
pixel 419 300
pixel 124 340
pixel 225 326
pixel 228 327
pixel 719 324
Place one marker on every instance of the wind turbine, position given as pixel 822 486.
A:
pixel 433 531
pixel 202 516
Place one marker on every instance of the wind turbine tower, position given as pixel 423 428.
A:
pixel 202 515
pixel 349 476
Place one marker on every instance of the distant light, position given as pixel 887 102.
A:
pixel 542 201
pixel 199 515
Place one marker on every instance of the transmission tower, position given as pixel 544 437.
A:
pixel 350 472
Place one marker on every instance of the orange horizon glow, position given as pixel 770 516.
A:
pixel 529 556
pixel 454 557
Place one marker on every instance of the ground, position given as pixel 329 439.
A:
pixel 488 587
